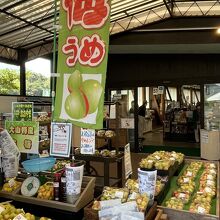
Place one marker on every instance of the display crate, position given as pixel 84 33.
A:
pixel 90 214
pixel 162 194
pixel 86 196
pixel 180 167
pixel 170 172
pixel 185 214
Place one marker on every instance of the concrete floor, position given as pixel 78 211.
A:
pixel 155 138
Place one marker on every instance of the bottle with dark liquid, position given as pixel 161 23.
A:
pixel 63 188
pixel 56 186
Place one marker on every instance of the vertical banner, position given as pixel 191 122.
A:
pixel 87 141
pixel 82 62
pixel 22 111
pixel 25 135
pixel 61 137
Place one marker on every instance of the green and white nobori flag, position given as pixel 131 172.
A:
pixel 82 62
pixel 25 135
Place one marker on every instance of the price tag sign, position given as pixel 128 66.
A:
pixel 87 141
pixel 186 180
pixel 127 161
pixel 182 195
pixel 61 136
pixel 201 210
pixel 19 217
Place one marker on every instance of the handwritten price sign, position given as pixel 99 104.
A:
pixel 87 141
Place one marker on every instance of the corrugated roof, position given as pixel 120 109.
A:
pixel 28 23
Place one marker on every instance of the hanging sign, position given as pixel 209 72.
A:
pixel 87 141
pixel 127 161
pixel 155 91
pixel 127 123
pixel 160 90
pixel 82 62
pixel 22 111
pixel 25 135
pixel 61 136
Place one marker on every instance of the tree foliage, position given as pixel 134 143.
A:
pixel 9 82
pixel 36 83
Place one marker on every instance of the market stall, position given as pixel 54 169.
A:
pixel 184 189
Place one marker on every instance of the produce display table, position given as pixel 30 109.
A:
pixel 105 180
pixel 86 196
pixel 174 214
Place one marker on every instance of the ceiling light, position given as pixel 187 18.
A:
pixel 218 31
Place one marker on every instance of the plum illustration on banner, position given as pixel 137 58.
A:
pixel 74 81
pixel 84 96
pixel 76 104
pixel 93 91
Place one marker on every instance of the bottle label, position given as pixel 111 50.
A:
pixel 63 179
pixel 56 184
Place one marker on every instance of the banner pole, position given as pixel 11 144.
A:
pixel 54 57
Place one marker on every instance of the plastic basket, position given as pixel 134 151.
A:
pixel 38 164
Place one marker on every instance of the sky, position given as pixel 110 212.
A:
pixel 38 65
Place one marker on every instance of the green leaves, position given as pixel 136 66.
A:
pixel 36 83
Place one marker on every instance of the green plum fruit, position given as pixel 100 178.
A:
pixel 93 91
pixel 74 81
pixel 76 104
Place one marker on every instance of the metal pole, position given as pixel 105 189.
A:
pixel 54 56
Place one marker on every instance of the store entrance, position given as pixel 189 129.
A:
pixel 162 117
pixel 174 116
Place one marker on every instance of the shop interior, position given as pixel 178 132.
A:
pixel 172 114
pixel 156 153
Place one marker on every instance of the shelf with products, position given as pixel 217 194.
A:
pixel 180 124
pixel 117 136
pixel 47 201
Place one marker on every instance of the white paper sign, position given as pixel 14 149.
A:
pixel 19 217
pixel 109 203
pixel 147 182
pixel 87 141
pixel 204 137
pixel 7 144
pixel 155 91
pixel 160 90
pixel 61 136
pixel 127 123
pixel 201 210
pixel 127 161
pixel 112 112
